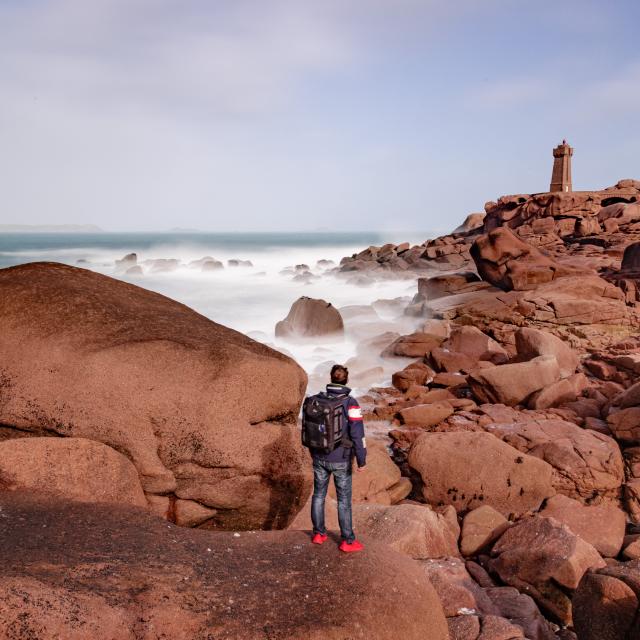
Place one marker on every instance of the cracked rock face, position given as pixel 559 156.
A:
pixel 203 412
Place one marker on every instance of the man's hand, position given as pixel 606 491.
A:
pixel 361 469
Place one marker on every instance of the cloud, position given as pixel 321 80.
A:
pixel 218 58
pixel 209 58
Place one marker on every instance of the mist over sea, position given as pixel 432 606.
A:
pixel 248 299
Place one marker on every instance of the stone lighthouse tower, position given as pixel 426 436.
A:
pixel 561 175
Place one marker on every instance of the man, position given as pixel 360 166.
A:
pixel 339 463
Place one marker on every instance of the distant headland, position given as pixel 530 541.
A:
pixel 50 228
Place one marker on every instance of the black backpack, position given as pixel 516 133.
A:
pixel 324 422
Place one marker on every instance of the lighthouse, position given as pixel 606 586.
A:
pixel 561 174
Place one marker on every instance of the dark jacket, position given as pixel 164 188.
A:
pixel 355 430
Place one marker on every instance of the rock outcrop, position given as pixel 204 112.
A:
pixel 204 413
pixel 511 264
pixel 541 354
pixel 71 570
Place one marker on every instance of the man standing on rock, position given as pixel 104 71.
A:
pixel 339 463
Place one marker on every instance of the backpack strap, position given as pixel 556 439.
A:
pixel 346 442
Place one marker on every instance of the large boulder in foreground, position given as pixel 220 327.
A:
pixel 606 605
pixel 77 571
pixel 72 468
pixel 469 469
pixel 310 318
pixel 204 413
pixel 508 263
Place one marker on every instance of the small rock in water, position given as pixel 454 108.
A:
pixel 310 317
pixel 212 265
pixel 130 260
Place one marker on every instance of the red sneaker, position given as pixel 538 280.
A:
pixel 319 538
pixel 351 547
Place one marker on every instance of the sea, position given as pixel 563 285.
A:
pixel 250 299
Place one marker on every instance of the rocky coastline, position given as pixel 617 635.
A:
pixel 152 481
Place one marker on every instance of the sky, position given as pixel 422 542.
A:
pixel 288 115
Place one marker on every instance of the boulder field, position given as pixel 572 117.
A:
pixel 520 411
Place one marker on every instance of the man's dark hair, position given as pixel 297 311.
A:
pixel 339 374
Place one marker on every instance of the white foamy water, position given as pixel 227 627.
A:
pixel 249 299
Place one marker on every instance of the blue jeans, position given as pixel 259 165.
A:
pixel 322 472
